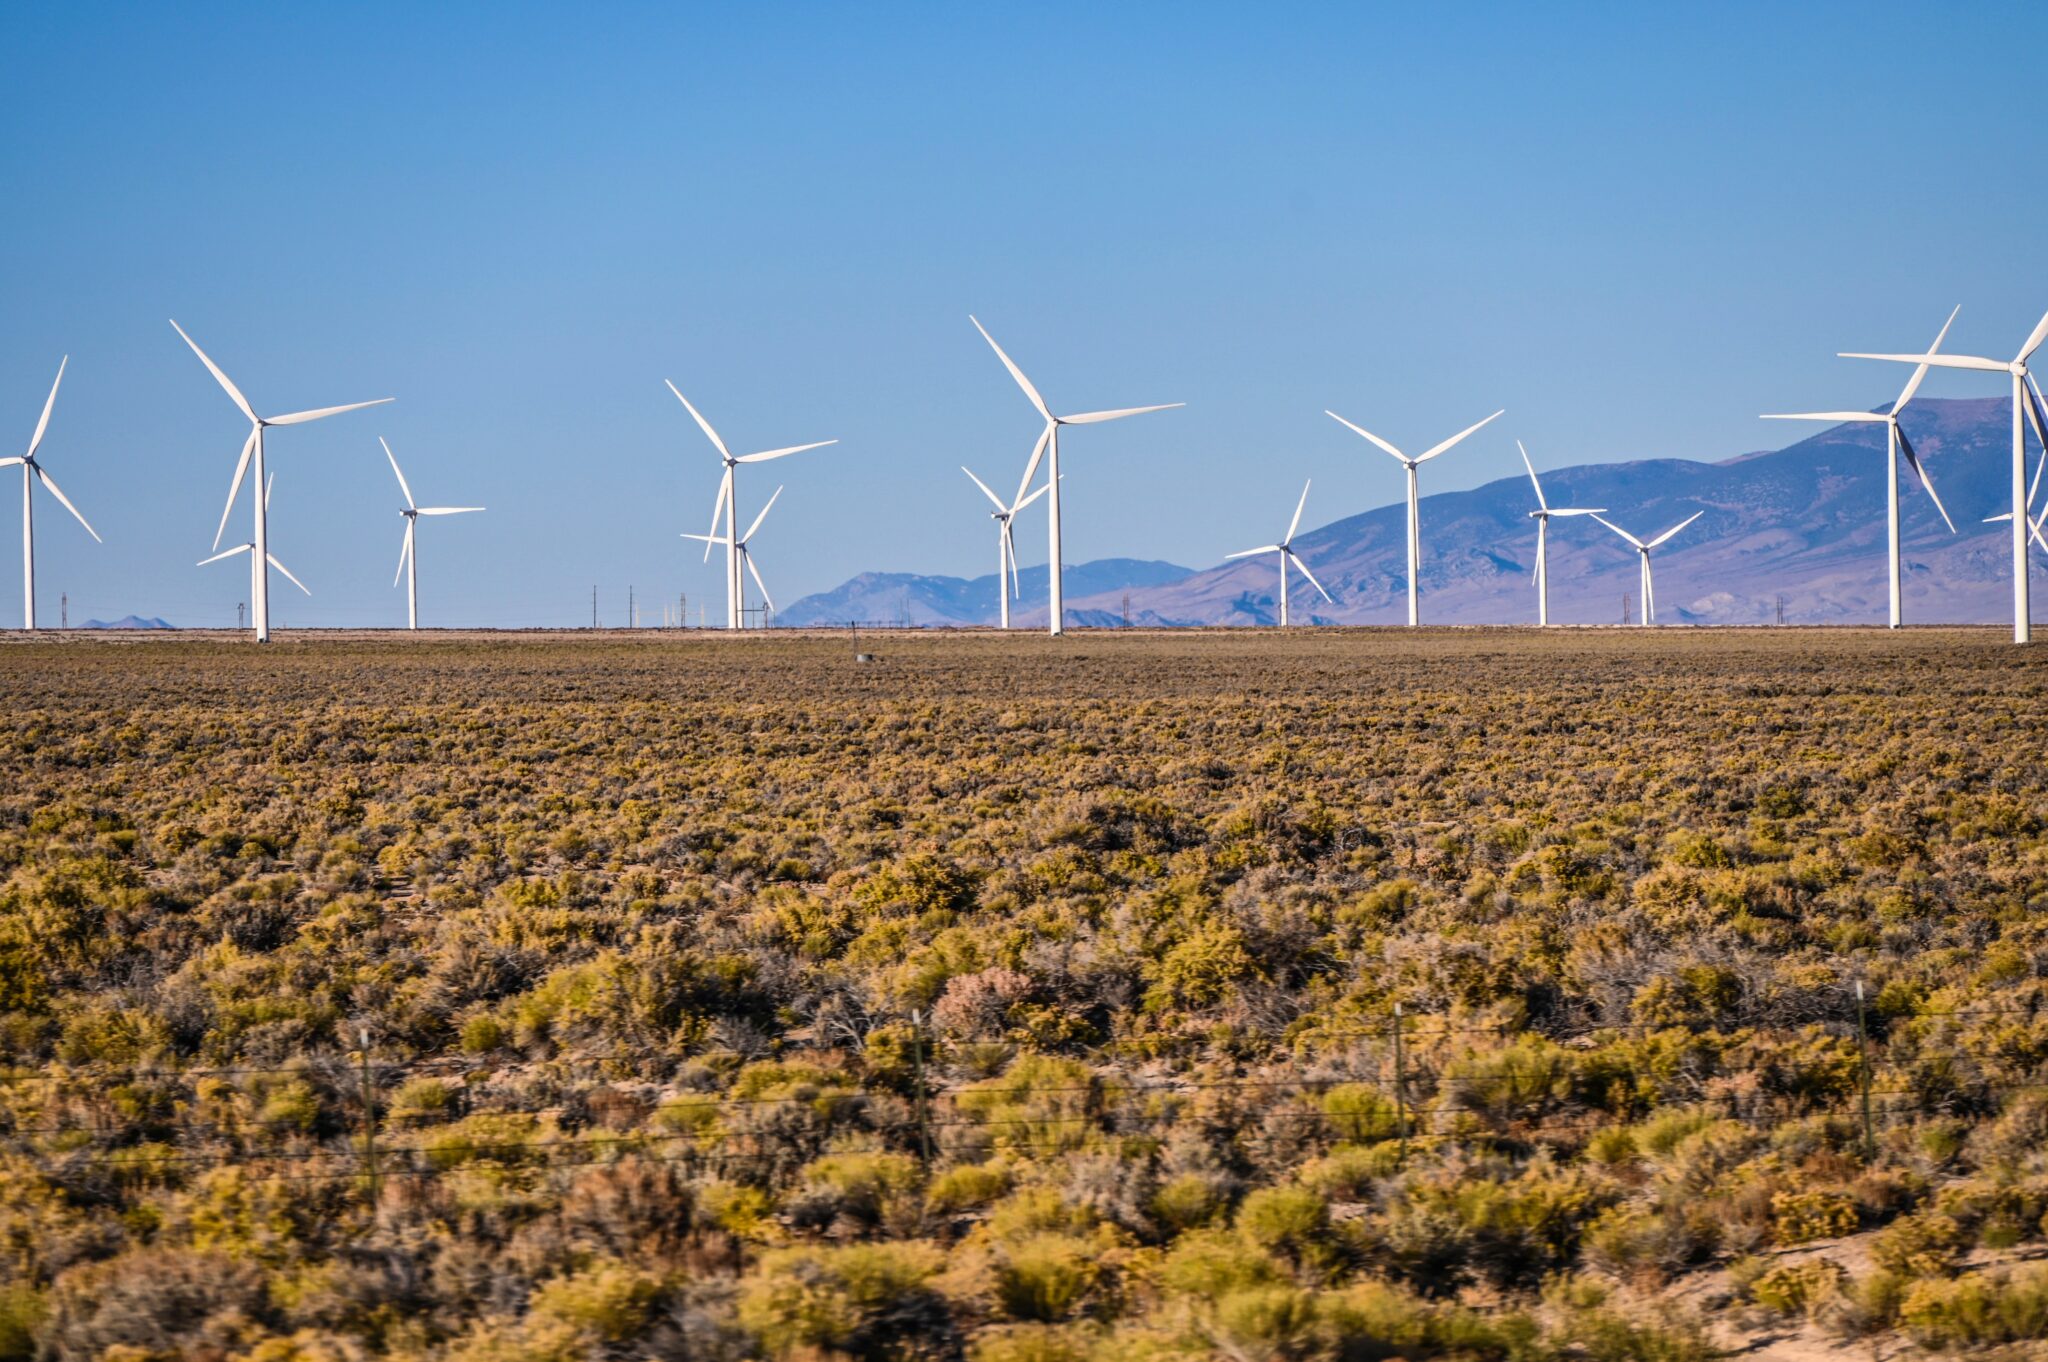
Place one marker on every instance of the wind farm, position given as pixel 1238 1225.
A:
pixel 1572 894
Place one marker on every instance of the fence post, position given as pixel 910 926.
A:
pixel 1863 1067
pixel 369 1116
pixel 924 1125
pixel 1400 1085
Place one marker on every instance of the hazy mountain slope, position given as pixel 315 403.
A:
pixel 889 597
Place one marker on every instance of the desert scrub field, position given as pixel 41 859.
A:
pixel 1019 999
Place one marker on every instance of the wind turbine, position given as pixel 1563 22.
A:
pixel 1285 548
pixel 250 549
pixel 1050 441
pixel 728 502
pixel 2025 402
pixel 739 547
pixel 1649 588
pixel 31 471
pixel 1897 444
pixel 408 555
pixel 1414 516
pixel 259 605
pixel 1542 514
pixel 1006 545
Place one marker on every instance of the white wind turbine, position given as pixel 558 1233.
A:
pixel 31 471
pixel 1897 445
pixel 1542 514
pixel 728 503
pixel 1006 545
pixel 1285 548
pixel 2025 407
pixel 1414 516
pixel 259 605
pixel 746 558
pixel 1648 587
pixel 408 554
pixel 1049 440
pixel 250 549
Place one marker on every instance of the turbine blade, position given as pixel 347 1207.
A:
pixel 702 424
pixel 226 553
pixel 1010 551
pixel 984 488
pixel 1361 430
pixel 1295 523
pixel 1674 529
pixel 287 572
pixel 1532 476
pixel 1938 361
pixel 1913 462
pixel 404 552
pixel 58 493
pixel 1015 372
pixel 766 507
pixel 768 454
pixel 2034 341
pixel 1043 488
pixel 1837 417
pixel 241 402
pixel 1089 418
pixel 1296 558
pixel 1920 373
pixel 235 487
pixel 717 509
pixel 403 485
pixel 1618 530
pixel 269 485
pixel 755 573
pixel 1577 510
pixel 1037 453
pixel 299 418
pixel 11 460
pixel 448 510
pixel 1248 553
pixel 706 538
pixel 1438 449
pixel 35 441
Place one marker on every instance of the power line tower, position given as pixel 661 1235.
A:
pixel 240 608
pixel 1781 609
pixel 64 611
pixel 1127 610
pixel 593 607
pixel 1624 607
pixel 632 611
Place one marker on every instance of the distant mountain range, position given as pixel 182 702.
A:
pixel 127 622
pixel 1803 526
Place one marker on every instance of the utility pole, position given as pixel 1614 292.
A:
pixel 64 611
pixel 1624 607
pixel 240 607
pixel 683 610
pixel 593 607
pixel 632 611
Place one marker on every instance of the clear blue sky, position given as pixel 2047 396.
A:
pixel 1633 228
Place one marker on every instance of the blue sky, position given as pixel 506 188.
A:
pixel 1632 227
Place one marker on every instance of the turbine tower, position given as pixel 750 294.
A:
pixel 1006 545
pixel 259 604
pixel 1414 516
pixel 2025 407
pixel 31 473
pixel 250 549
pixel 728 503
pixel 1542 514
pixel 1648 586
pixel 1285 548
pixel 1896 444
pixel 1050 441
pixel 746 558
pixel 408 554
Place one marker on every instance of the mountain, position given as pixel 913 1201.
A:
pixel 127 622
pixel 1803 524
pixel 908 598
